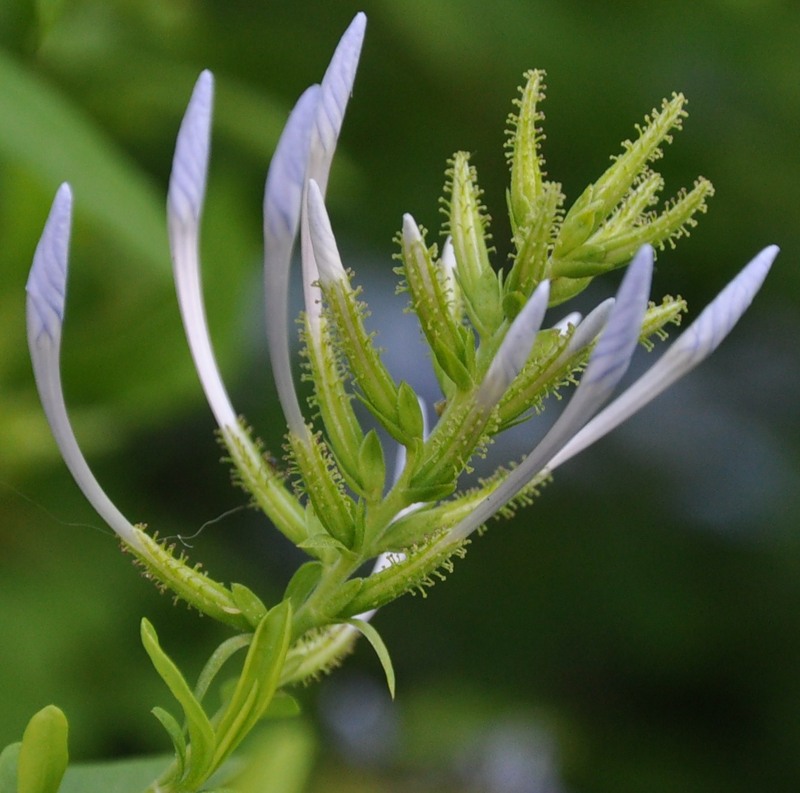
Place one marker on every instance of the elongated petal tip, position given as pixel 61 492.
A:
pixel 611 357
pixel 695 344
pixel 187 184
pixel 515 347
pixel 337 84
pixel 47 281
pixel 283 192
pixel 326 253
pixel 411 232
pixel 336 88
pixel 716 321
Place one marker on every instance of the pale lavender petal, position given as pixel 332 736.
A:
pixel 47 280
pixel 588 330
pixel 336 88
pixel 326 253
pixel 283 198
pixel 184 205
pixel 187 184
pixel 335 91
pixel 46 290
pixel 695 344
pixel 515 348
pixel 607 365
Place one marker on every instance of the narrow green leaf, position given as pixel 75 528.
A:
pixel 175 732
pixel 51 138
pixel 258 681
pixel 217 660
pixel 201 732
pixel 43 756
pixel 372 466
pixel 302 583
pixel 248 603
pixel 374 638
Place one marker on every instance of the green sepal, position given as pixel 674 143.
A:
pixel 374 638
pixel 372 466
pixel 334 402
pixel 431 492
pixel 468 226
pixel 513 303
pixel 248 603
pixel 563 289
pixel 175 732
pixel 524 137
pixel 484 303
pixel 345 313
pixel 409 412
pixel 257 683
pixel 452 344
pixel 188 583
pixel 201 733
pixel 333 508
pixel 43 756
pixel 303 583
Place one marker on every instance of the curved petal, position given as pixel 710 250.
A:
pixel 283 196
pixel 515 348
pixel 692 347
pixel 187 186
pixel 607 365
pixel 335 90
pixel 46 290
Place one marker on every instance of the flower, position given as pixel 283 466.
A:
pixel 492 356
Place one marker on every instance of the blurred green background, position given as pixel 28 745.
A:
pixel 638 629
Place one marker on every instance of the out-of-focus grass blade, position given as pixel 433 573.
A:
pixel 44 133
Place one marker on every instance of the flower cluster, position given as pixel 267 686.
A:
pixel 495 359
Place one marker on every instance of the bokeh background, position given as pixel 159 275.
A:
pixel 638 628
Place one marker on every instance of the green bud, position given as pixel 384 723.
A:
pixel 524 137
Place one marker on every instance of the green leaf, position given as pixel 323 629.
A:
pixel 9 758
pixel 374 638
pixel 43 756
pixel 278 761
pixel 126 776
pixel 303 582
pixel 175 732
pixel 201 732
pixel 248 603
pixel 258 681
pixel 217 660
pixel 371 465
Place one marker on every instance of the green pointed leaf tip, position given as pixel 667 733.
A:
pixel 201 733
pixel 258 682
pixel 374 638
pixel 372 466
pixel 175 732
pixel 43 756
